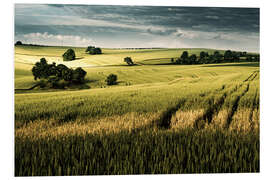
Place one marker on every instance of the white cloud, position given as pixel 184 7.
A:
pixel 55 39
pixel 212 17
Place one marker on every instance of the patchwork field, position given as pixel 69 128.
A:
pixel 159 118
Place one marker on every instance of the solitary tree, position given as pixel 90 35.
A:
pixel 129 61
pixel 18 43
pixel 69 55
pixel 111 79
pixel 93 50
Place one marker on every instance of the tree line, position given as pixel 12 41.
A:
pixel 216 57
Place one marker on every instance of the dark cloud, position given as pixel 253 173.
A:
pixel 113 22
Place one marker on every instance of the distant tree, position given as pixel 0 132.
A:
pixel 111 79
pixel 228 55
pixel 98 50
pixel 202 55
pixel 129 61
pixel 248 58
pixel 93 50
pixel 217 57
pixel 257 58
pixel 193 59
pixel 235 56
pixel 69 55
pixel 210 59
pixel 184 55
pixel 89 48
pixel 172 60
pixel 183 58
pixel 18 43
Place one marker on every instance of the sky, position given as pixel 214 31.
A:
pixel 138 26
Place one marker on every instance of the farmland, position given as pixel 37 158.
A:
pixel 159 118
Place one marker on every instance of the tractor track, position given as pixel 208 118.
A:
pixel 234 107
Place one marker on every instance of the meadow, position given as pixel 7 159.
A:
pixel 159 118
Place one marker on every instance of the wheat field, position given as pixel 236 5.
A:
pixel 158 119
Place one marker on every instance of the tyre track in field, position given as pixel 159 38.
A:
pixel 214 109
pixel 234 107
pixel 252 76
pixel 252 109
pixel 164 122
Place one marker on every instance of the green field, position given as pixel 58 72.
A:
pixel 159 118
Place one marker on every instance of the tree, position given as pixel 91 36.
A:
pixel 18 43
pixel 235 56
pixel 89 48
pixel 203 57
pixel 78 75
pixel 69 55
pixel 98 50
pixel 193 59
pixel 129 61
pixel 57 76
pixel 228 55
pixel 183 58
pixel 172 60
pixel 41 69
pixel 217 57
pixel 93 50
pixel 111 79
pixel 184 55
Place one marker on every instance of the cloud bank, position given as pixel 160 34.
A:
pixel 138 26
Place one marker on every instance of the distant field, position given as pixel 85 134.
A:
pixel 157 119
pixel 31 54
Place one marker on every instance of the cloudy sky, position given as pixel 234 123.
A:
pixel 138 26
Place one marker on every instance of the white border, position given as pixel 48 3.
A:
pixel 7 82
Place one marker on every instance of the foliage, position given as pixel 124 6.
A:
pixel 18 43
pixel 54 73
pixel 69 55
pixel 111 79
pixel 93 50
pixel 129 61
pixel 216 57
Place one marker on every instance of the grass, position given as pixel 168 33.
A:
pixel 31 54
pixel 158 118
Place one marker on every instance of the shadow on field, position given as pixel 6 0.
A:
pixel 78 58
pixel 255 64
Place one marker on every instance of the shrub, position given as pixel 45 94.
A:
pixel 129 61
pixel 69 55
pixel 111 79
